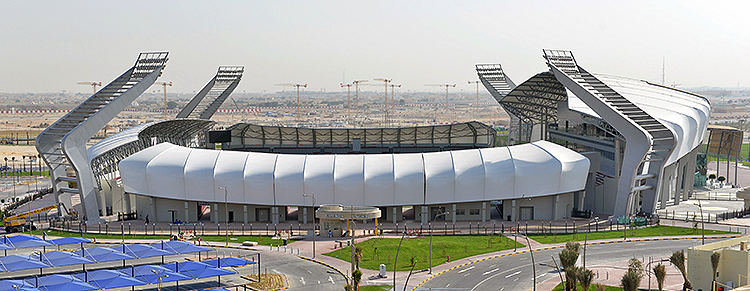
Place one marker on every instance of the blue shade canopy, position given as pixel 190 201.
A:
pixel 197 270
pixel 228 262
pixel 7 285
pixel 217 289
pixel 107 279
pixel 99 254
pixel 60 283
pixel 19 262
pixel 69 241
pixel 24 241
pixel 61 258
pixel 146 274
pixel 179 247
pixel 5 247
pixel 141 251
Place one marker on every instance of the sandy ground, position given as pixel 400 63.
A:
pixel 17 151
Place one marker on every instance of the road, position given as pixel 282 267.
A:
pixel 515 272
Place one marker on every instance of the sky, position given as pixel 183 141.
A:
pixel 49 46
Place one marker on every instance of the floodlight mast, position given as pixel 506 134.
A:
pixel 386 81
pixel 296 86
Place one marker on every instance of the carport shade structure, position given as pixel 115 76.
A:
pixel 19 262
pixel 107 279
pixel 228 262
pixel 146 274
pixel 24 241
pixel 141 251
pixel 179 247
pixel 61 258
pixel 69 241
pixel 197 270
pixel 59 282
pixel 100 254
pixel 20 285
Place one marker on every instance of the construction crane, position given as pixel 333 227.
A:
pixel 165 84
pixel 385 81
pixel 18 222
pixel 92 84
pixel 348 101
pixel 446 91
pixel 476 82
pixel 393 98
pixel 356 95
pixel 296 86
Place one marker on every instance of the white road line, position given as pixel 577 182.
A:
pixel 275 271
pixel 302 279
pixel 308 271
pixel 446 286
pixel 493 276
pixel 318 282
pixel 331 279
pixel 511 275
pixel 490 271
pixel 492 266
pixel 516 279
pixel 464 270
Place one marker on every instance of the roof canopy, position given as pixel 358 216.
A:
pixel 100 254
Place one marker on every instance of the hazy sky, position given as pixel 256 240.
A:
pixel 48 46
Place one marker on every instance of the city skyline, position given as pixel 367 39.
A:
pixel 50 47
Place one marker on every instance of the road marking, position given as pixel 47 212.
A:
pixel 302 279
pixel 318 282
pixel 308 271
pixel 493 276
pixel 331 279
pixel 446 286
pixel 492 266
pixel 516 279
pixel 511 275
pixel 464 270
pixel 490 271
pixel 274 270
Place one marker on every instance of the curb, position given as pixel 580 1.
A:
pixel 562 246
pixel 327 265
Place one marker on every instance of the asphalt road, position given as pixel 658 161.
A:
pixel 515 272
pixel 302 274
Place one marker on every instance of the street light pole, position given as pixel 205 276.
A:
pixel 226 213
pixel 313 206
pixel 436 216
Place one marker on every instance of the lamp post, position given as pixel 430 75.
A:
pixel 226 213
pixel 354 227
pixel 313 206
pixel 13 166
pixel 518 214
pixel 158 279
pixel 436 216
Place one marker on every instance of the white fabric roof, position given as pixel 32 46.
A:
pixel 175 172
pixel 685 114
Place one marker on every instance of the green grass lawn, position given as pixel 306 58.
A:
pixel 658 230
pixel 375 288
pixel 262 240
pixel 378 251
pixel 560 287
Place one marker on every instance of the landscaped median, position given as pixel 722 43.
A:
pixel 652 231
pixel 376 251
pixel 261 240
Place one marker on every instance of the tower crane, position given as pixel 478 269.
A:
pixel 446 91
pixel 386 81
pixel 165 84
pixel 393 97
pixel 296 86
pixel 348 100
pixel 476 82
pixel 356 95
pixel 92 84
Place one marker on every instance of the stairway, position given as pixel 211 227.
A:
pixel 63 144
pixel 645 185
pixel 210 98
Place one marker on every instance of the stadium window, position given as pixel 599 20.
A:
pixel 474 212
pixel 460 212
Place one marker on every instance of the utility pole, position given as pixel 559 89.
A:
pixel 296 86
pixel 386 81
pixel 476 82
pixel 348 100
pixel 356 96
pixel 165 84
pixel 92 84
pixel 393 98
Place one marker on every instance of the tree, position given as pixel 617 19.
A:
pixel 678 260
pixel 171 105
pixel 357 255
pixel 660 271
pixel 356 277
pixel 721 180
pixel 632 278
pixel 715 257
pixel 712 177
pixel 585 277
pixel 568 258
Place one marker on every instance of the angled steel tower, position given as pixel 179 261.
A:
pixel 210 98
pixel 63 144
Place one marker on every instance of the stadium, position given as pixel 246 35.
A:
pixel 582 142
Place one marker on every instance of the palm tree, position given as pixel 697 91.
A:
pixel 585 276
pixel 568 258
pixel 660 271
pixel 678 260
pixel 633 276
pixel 357 255
pixel 715 257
